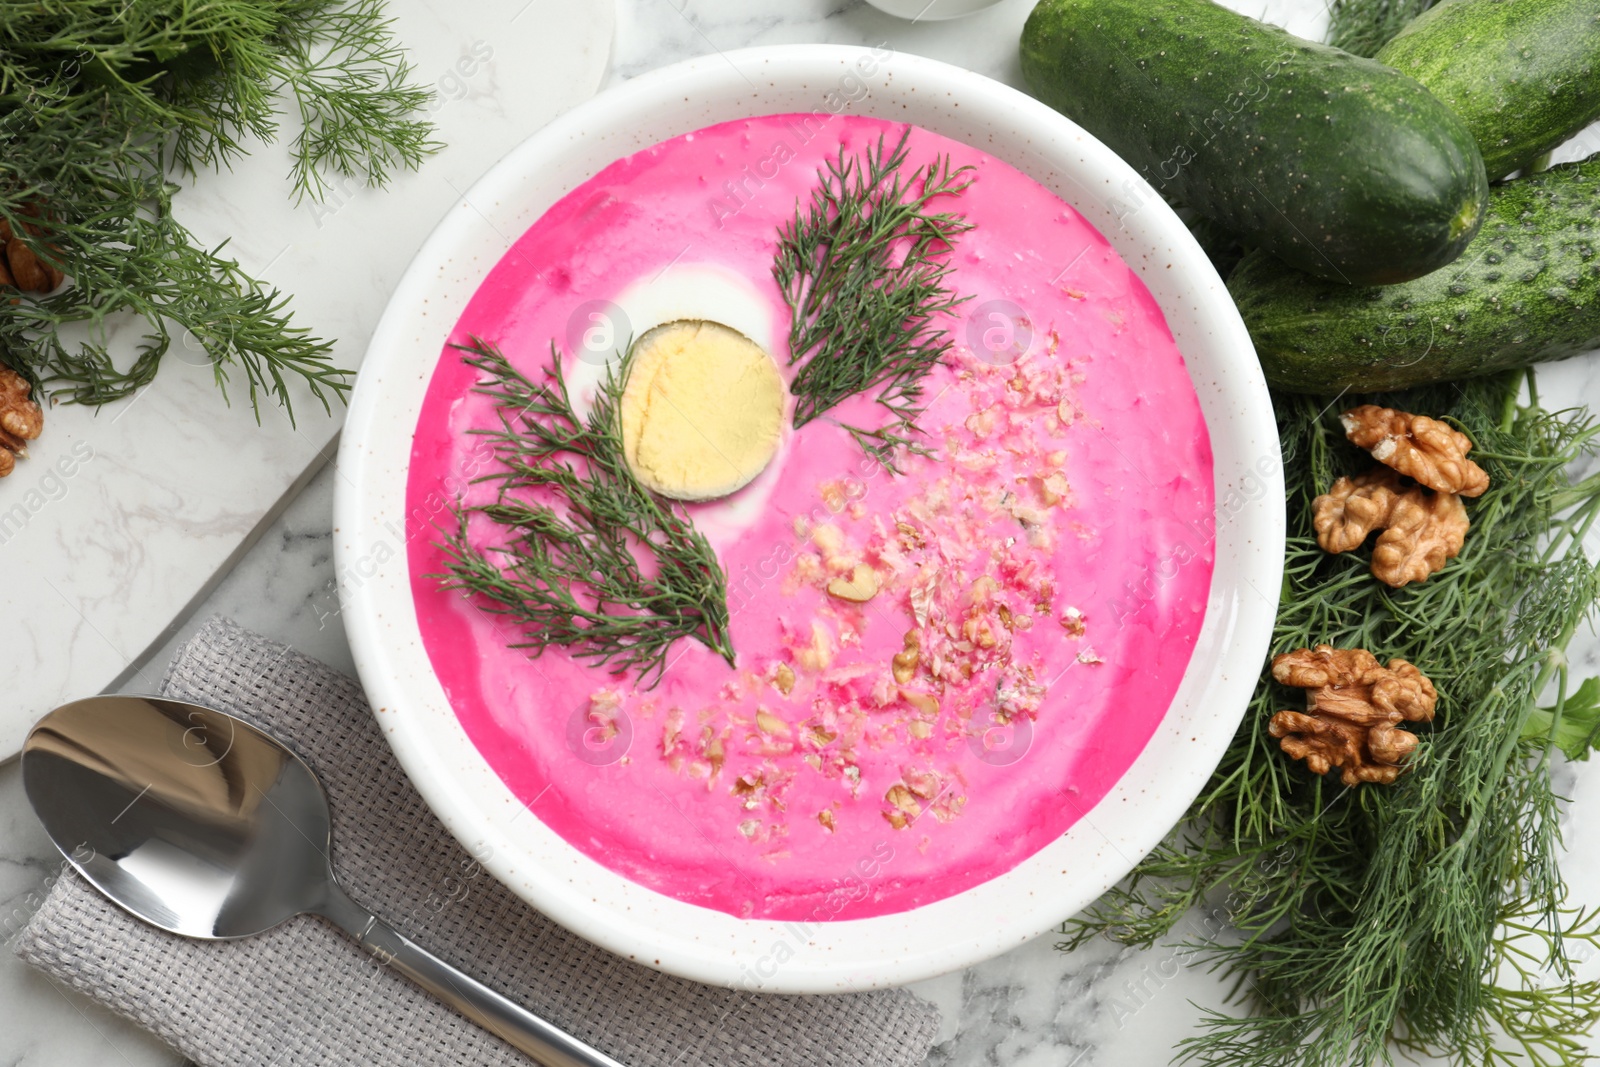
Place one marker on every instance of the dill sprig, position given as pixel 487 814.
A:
pixel 587 557
pixel 1364 26
pixel 103 105
pixel 1429 914
pixel 864 272
pixel 350 84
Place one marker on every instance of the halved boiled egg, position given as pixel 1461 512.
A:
pixel 704 405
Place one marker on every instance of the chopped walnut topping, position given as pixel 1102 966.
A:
pixel 769 723
pixel 921 790
pixel 1053 488
pixel 982 423
pixel 783 678
pixel 1353 708
pixel 904 662
pixel 825 817
pixel 910 537
pixel 1072 620
pixel 700 758
pixel 903 805
pixel 948 807
pixel 860 587
pixel 828 538
pixel 1432 452
pixel 978 632
pixel 818 653
pixel 671 731
pixel 924 784
pixel 926 703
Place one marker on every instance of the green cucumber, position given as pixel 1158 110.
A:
pixel 1524 75
pixel 1336 164
pixel 1364 26
pixel 1526 290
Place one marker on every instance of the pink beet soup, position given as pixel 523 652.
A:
pixel 1043 575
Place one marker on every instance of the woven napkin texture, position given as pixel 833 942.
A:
pixel 304 994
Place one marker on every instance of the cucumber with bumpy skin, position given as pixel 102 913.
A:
pixel 1524 75
pixel 1338 165
pixel 1526 290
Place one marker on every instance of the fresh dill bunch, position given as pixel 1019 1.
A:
pixel 864 271
pixel 1429 914
pixel 102 105
pixel 613 572
pixel 1364 26
pixel 202 76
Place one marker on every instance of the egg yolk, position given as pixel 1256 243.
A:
pixel 702 410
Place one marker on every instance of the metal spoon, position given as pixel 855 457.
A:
pixel 199 823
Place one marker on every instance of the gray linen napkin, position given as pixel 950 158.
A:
pixel 304 994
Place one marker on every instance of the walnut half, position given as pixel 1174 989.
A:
pixel 1353 508
pixel 21 267
pixel 1430 451
pixel 1425 531
pixel 21 419
pixel 1422 530
pixel 1354 706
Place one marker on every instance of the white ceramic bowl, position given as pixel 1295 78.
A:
pixel 709 945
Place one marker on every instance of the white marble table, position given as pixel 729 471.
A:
pixel 1035 1007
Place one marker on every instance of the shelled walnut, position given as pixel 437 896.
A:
pixel 1422 530
pixel 1425 531
pixel 1353 508
pixel 1354 706
pixel 1414 499
pixel 21 267
pixel 21 419
pixel 1430 451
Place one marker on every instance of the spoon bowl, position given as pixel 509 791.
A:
pixel 201 824
pixel 192 820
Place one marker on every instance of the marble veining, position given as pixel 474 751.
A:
pixel 1101 1006
pixel 141 505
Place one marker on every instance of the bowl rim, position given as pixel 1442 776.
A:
pixel 699 943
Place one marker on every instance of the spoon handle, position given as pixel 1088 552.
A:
pixel 516 1025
